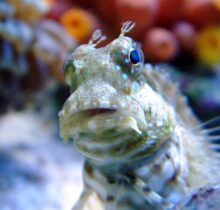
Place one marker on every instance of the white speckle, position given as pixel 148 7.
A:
pixel 125 76
pixel 96 103
pixel 149 125
pixel 135 86
pixel 85 104
pixel 73 108
pixel 156 183
pixel 78 63
pixel 150 133
pixel 159 123
pixel 61 113
pixel 104 104
pixel 92 126
pixel 176 156
pixel 175 197
pixel 168 170
pixel 135 109
pixel 118 68
pixel 153 136
pixel 123 104
pixel 143 172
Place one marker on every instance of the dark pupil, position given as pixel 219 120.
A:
pixel 134 57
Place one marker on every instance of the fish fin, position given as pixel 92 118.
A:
pixel 210 124
pixel 211 130
pixel 214 140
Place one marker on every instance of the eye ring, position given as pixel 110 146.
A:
pixel 136 55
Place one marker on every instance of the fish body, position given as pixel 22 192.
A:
pixel 134 129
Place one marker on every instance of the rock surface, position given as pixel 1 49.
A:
pixel 37 171
pixel 206 198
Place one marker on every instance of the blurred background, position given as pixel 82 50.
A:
pixel 38 171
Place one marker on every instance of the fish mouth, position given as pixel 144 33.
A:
pixel 95 121
pixel 98 111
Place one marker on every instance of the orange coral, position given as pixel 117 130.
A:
pixel 169 11
pixel 208 45
pixel 217 4
pixel 160 45
pixel 142 12
pixel 186 35
pixel 201 12
pixel 49 2
pixel 78 23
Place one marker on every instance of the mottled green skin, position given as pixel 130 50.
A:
pixel 102 78
pixel 139 151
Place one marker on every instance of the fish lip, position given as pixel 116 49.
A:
pixel 66 115
pixel 91 112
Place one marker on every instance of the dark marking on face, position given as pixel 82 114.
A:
pixel 156 168
pixel 174 177
pixel 146 189
pixel 177 144
pixel 125 181
pixel 111 180
pixel 167 155
pixel 130 177
pixel 110 198
pixel 89 170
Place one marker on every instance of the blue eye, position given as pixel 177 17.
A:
pixel 134 56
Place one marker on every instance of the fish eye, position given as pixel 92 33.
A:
pixel 134 56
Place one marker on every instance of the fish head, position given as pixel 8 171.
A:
pixel 109 113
